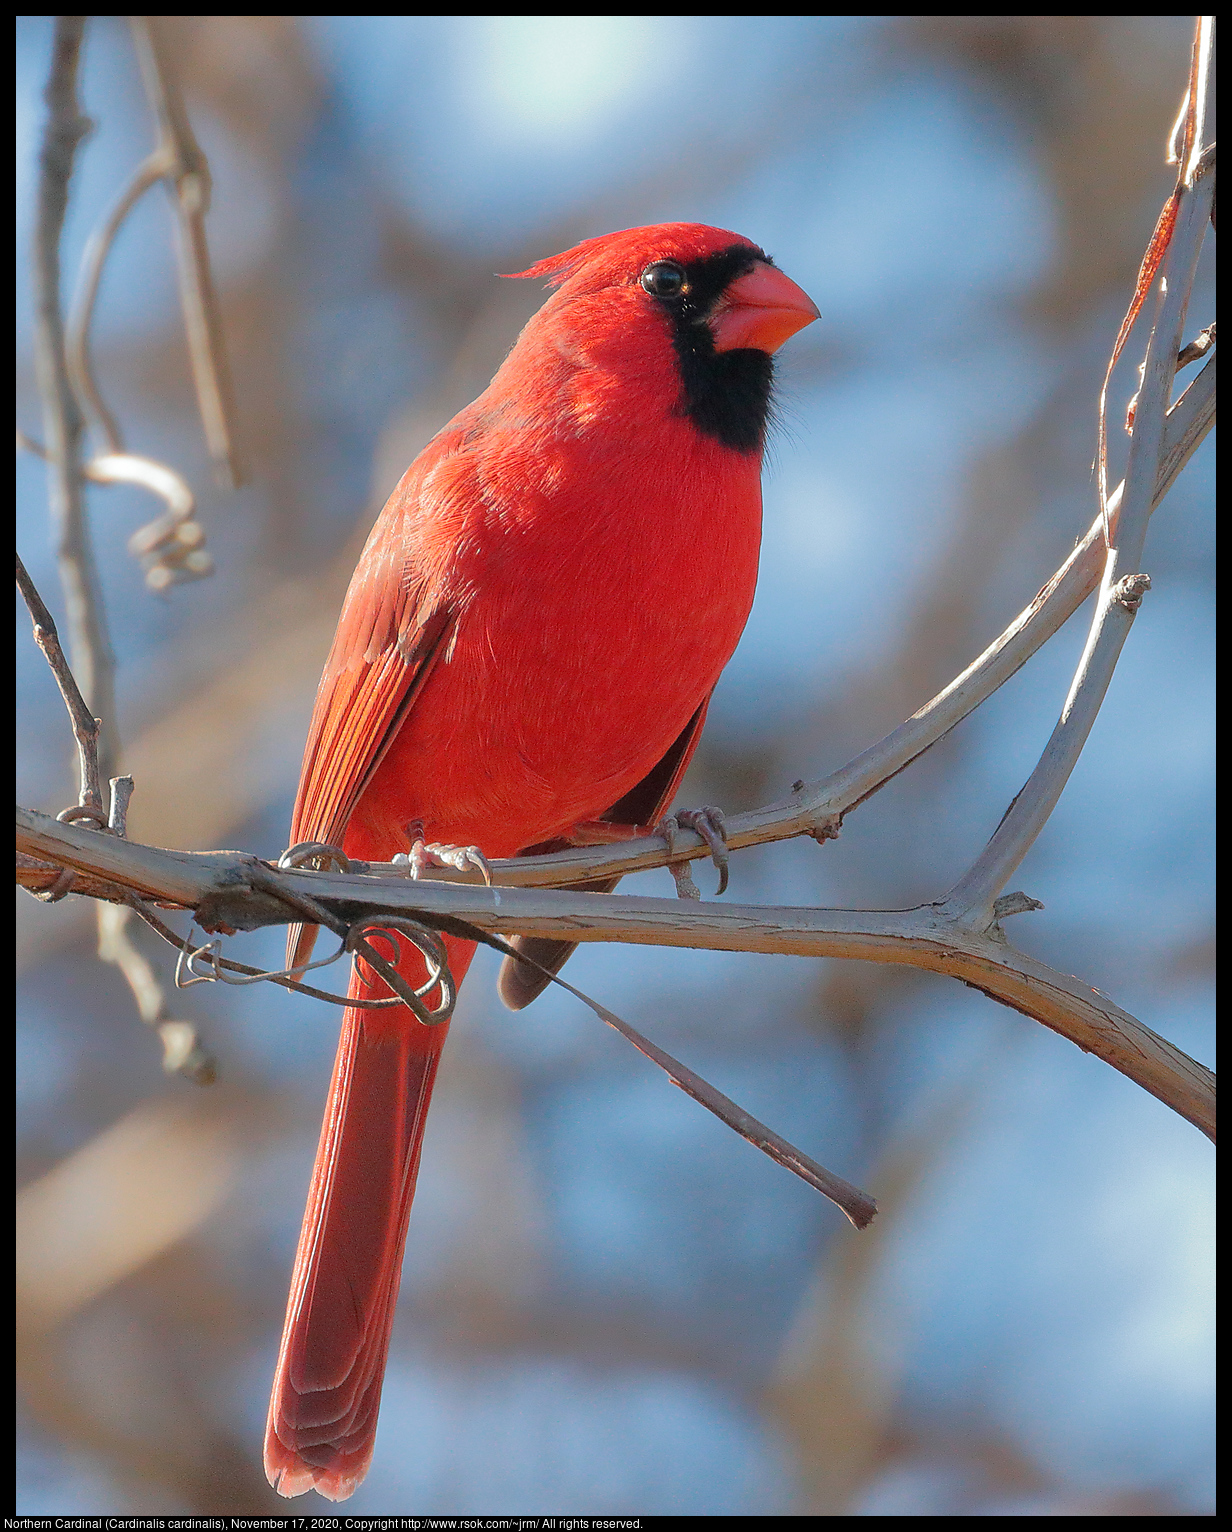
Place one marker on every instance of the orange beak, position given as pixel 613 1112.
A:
pixel 761 310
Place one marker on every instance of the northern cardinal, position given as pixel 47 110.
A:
pixel 527 647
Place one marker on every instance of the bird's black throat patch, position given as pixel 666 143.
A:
pixel 726 394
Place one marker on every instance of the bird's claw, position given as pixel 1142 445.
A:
pixel 708 823
pixel 423 856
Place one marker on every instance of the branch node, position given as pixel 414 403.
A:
pixel 1129 591
pixel 827 828
pixel 121 793
pixel 1016 903
pixel 1197 347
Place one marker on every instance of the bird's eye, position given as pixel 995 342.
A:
pixel 664 279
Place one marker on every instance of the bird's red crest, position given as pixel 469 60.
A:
pixel 612 255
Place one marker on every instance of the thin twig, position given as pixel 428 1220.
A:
pixel 305 906
pixel 81 314
pixel 187 175
pixel 182 1050
pixel 1186 145
pixel 859 1207
pixel 171 548
pixel 283 980
pixel 85 725
pixel 89 646
pixel 1122 586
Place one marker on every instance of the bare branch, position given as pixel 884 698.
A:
pixel 187 173
pixel 98 247
pixel 92 707
pixel 85 725
pixel 959 937
pixel 234 891
pixel 117 815
pixel 171 547
pixel 1185 429
pixel 182 1050
pixel 859 1207
pixel 88 643
pixel 1122 585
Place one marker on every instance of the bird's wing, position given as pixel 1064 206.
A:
pixel 647 803
pixel 389 636
pixel 644 804
pixel 394 626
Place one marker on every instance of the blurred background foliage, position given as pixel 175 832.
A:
pixel 610 1303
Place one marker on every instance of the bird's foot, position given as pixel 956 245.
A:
pixel 422 857
pixel 708 823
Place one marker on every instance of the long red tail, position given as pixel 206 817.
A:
pixel 327 1388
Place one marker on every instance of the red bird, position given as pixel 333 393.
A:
pixel 528 646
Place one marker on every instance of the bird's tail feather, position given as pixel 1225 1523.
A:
pixel 327 1388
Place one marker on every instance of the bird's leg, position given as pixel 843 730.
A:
pixel 708 822
pixel 686 888
pixel 423 856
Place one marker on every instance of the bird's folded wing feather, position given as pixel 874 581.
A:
pixel 644 804
pixel 393 629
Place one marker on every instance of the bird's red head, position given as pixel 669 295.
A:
pixel 733 285
pixel 722 301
